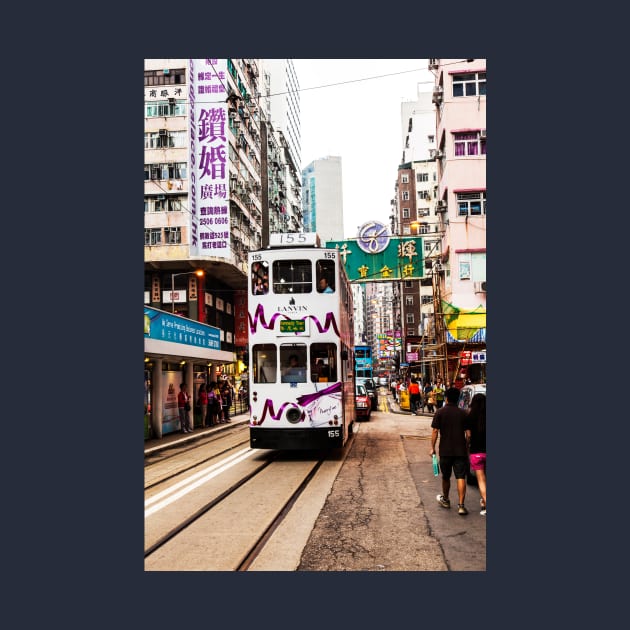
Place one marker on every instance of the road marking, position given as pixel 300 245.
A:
pixel 186 486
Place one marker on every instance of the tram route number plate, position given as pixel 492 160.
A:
pixel 292 325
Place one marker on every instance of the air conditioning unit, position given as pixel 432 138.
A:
pixel 433 64
pixel 437 94
pixel 482 133
pixel 245 114
pixel 232 114
pixel 440 206
pixel 162 132
pixel 480 287
pixel 437 154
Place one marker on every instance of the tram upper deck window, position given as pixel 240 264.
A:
pixel 292 276
pixel 260 278
pixel 325 272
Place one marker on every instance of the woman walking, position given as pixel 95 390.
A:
pixel 476 438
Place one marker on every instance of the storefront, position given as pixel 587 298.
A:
pixel 177 350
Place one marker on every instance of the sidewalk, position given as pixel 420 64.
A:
pixel 153 445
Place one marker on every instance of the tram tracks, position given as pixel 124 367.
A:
pixel 224 518
pixel 180 470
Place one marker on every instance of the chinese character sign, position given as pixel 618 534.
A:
pixel 399 258
pixel 208 128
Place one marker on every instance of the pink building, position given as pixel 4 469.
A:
pixel 459 96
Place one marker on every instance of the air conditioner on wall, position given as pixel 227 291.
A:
pixel 480 287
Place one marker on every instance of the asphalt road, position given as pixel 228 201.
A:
pixel 382 513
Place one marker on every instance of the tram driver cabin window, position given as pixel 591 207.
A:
pixel 292 276
pixel 293 363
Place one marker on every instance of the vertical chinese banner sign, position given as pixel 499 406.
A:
pixel 209 191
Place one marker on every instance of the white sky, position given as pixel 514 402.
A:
pixel 360 122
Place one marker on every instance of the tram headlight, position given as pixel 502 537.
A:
pixel 293 415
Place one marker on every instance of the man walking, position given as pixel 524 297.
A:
pixel 449 423
pixel 414 396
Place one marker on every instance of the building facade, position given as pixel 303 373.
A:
pixel 413 213
pixel 283 136
pixel 202 214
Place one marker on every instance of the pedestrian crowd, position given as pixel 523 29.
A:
pixel 212 404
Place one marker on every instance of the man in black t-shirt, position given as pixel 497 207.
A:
pixel 449 422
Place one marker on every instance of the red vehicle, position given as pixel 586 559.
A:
pixel 363 404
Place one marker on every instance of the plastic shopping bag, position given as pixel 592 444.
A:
pixel 436 467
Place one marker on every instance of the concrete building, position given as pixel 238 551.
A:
pixel 322 198
pixel 417 128
pixel 413 214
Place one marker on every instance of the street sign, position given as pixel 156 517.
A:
pixel 397 258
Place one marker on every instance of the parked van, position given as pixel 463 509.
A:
pixel 467 392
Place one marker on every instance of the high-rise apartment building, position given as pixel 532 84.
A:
pixel 283 134
pixel 322 198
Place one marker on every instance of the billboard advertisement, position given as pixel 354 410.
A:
pixel 209 158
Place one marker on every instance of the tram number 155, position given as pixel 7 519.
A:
pixel 333 433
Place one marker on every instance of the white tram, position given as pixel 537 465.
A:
pixel 300 309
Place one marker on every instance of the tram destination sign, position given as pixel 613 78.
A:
pixel 292 326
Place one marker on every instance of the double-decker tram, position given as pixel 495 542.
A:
pixel 300 345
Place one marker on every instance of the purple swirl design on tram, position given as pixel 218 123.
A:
pixel 276 416
pixel 303 401
pixel 259 315
pixel 309 398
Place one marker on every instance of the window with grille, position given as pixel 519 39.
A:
pixel 152 236
pixel 169 76
pixel 173 235
pixel 162 109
